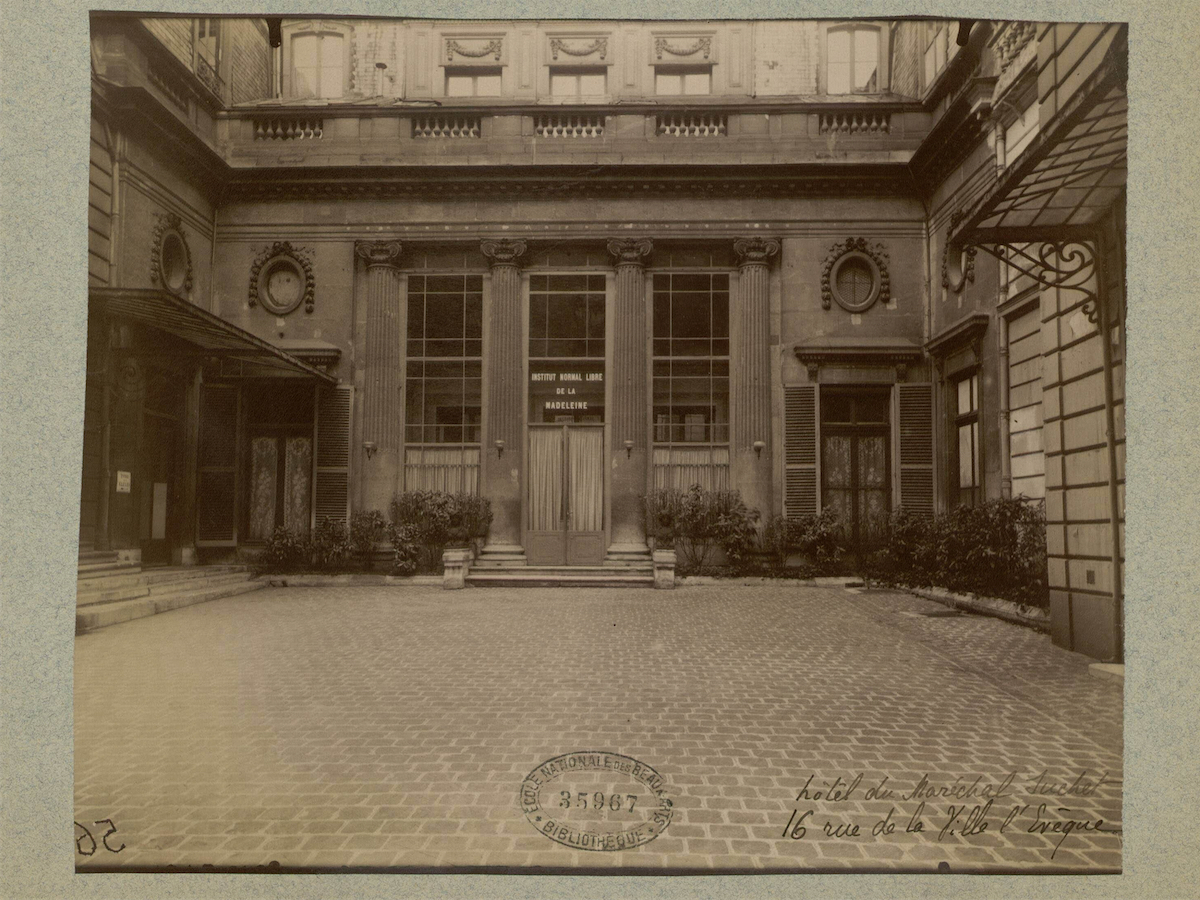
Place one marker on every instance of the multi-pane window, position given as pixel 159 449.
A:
pixel 937 41
pixel 445 349
pixel 566 347
pixel 473 82
pixel 966 426
pixel 691 358
pixel 208 41
pixel 852 60
pixel 578 83
pixel 318 66
pixel 691 80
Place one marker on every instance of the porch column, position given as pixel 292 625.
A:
pixel 629 397
pixel 504 419
pixel 185 553
pixel 750 365
pixel 382 373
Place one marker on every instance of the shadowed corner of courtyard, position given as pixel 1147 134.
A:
pixel 712 728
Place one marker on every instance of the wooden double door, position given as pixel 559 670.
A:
pixel 565 521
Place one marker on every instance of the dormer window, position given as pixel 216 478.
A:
pixel 677 80
pixel 852 60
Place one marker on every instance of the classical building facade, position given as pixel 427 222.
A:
pixel 852 265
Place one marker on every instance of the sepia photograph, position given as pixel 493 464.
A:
pixel 677 447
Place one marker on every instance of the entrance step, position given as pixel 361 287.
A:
pixel 105 567
pixel 561 576
pixel 121 597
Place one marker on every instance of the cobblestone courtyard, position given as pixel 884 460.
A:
pixel 394 727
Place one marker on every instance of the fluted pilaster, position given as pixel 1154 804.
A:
pixel 629 396
pixel 504 388
pixel 752 356
pixel 628 415
pixel 381 380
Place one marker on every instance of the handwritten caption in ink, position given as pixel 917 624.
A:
pixel 977 806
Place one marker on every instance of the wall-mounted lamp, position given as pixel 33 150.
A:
pixel 628 449
pixel 758 447
pixel 499 447
pixel 369 448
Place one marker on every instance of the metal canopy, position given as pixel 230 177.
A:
pixel 1067 177
pixel 164 311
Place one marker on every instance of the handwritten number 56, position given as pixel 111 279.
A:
pixel 89 848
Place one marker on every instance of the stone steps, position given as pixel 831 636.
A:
pixel 91 618
pixel 122 594
pixel 561 576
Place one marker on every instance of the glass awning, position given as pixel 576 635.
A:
pixel 1067 177
pixel 209 333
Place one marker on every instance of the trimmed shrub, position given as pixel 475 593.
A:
pixel 996 549
pixel 367 529
pixel 329 548
pixel 406 549
pixel 440 520
pixel 817 538
pixel 697 522
pixel 285 551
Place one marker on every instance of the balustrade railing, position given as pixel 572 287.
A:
pixel 690 124
pixel 446 126
pixel 287 129
pixel 561 125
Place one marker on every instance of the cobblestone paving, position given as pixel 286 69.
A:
pixel 393 727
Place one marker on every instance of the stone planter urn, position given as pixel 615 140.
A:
pixel 664 569
pixel 455 563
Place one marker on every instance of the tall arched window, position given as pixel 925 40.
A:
pixel 852 60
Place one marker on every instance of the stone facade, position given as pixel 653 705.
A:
pixel 741 255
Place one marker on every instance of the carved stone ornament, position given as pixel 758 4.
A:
pixel 131 378
pixel 379 253
pixel 502 253
pixel 494 48
pixel 170 257
pixel 281 277
pixel 755 251
pixel 559 45
pixel 958 268
pixel 630 252
pixel 702 45
pixel 860 252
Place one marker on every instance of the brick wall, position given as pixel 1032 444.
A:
pixel 175 35
pixel 907 58
pixel 249 59
pixel 786 56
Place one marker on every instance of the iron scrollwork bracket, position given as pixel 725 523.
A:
pixel 1068 265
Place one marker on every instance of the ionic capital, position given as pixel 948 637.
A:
pixel 755 251
pixel 502 253
pixel 378 253
pixel 629 251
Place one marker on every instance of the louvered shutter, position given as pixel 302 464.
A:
pixel 332 494
pixel 915 428
pixel 800 450
pixel 216 487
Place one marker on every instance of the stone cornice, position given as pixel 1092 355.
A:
pixel 967 330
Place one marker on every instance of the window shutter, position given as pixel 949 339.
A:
pixel 216 488
pixel 332 494
pixel 800 450
pixel 915 419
